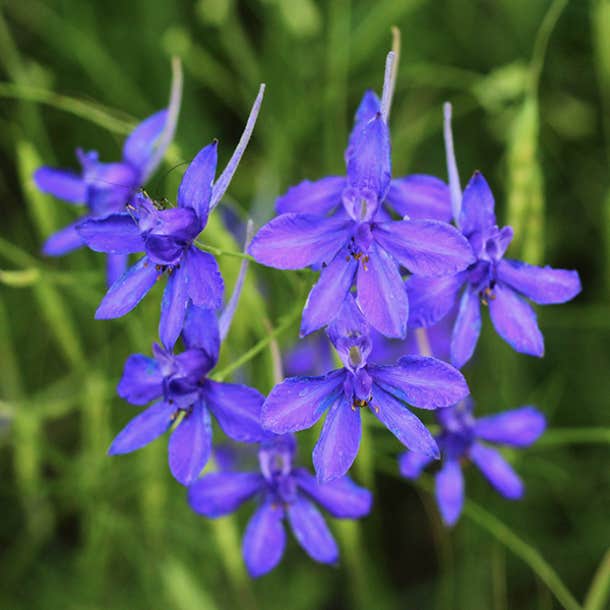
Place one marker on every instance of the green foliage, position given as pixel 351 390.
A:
pixel 530 85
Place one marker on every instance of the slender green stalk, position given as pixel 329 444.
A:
pixel 599 591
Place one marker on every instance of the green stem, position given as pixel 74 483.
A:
pixel 219 252
pixel 574 436
pixel 599 591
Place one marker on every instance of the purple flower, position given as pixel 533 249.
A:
pixel 298 402
pixel 105 188
pixel 492 280
pixel 283 492
pixel 183 394
pixel 460 440
pixel 359 242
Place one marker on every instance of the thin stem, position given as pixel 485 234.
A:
pixel 574 436
pixel 452 170
pixel 222 184
pixel 219 252
pixel 388 86
pixel 599 591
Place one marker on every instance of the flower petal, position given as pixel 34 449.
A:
pixel 62 184
pixel 342 498
pixel 420 197
pixel 128 290
pixel 115 234
pixel 339 442
pixel 382 295
pixel 116 265
pixel 519 427
pixel 64 241
pixel 467 328
pixel 431 298
pixel 405 426
pixel 543 285
pixel 264 539
pixel 221 493
pixel 237 408
pixel 328 292
pixel 411 464
pixel 427 383
pixel 142 380
pixel 173 307
pixel 140 145
pixel 143 429
pixel 201 331
pixel 109 187
pixel 425 247
pixel 515 321
pixel 190 445
pixel 294 241
pixel 195 189
pixel 311 531
pixel 205 283
pixel 307 197
pixel 477 213
pixel 298 402
pixel 497 471
pixel 449 486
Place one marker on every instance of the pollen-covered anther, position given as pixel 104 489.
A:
pixel 487 295
pixel 359 403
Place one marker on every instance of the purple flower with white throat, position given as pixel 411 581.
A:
pixel 359 244
pixel 186 399
pixel 460 441
pixel 105 188
pixel 167 236
pixel 491 280
pixel 299 402
pixel 284 493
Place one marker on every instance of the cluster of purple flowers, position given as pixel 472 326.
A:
pixel 389 260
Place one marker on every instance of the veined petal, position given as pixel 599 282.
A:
pixel 143 429
pixel 195 190
pixel 411 464
pixel 427 383
pixel 173 307
pixel 205 283
pixel 431 298
pixel 497 471
pixel 425 247
pixel 519 427
pixel 369 106
pixel 342 498
pixel 190 445
pixel 221 493
pixel 339 441
pixel 420 197
pixel 543 285
pixel 142 380
pixel 116 265
pixel 294 241
pixel 323 301
pixel 128 290
pixel 109 187
pixel 382 295
pixel 237 408
pixel 64 241
pixel 405 426
pixel 317 197
pixel 467 328
pixel 62 184
pixel 515 321
pixel 201 331
pixel 298 402
pixel 311 531
pixel 115 234
pixel 140 145
pixel 477 213
pixel 449 485
pixel 264 540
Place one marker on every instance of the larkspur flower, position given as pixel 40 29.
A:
pixel 284 492
pixel 492 280
pixel 105 188
pixel 298 402
pixel 167 237
pixel 460 441
pixel 184 394
pixel 358 241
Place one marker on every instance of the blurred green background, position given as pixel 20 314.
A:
pixel 79 530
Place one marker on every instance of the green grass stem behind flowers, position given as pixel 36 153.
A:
pixel 529 81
